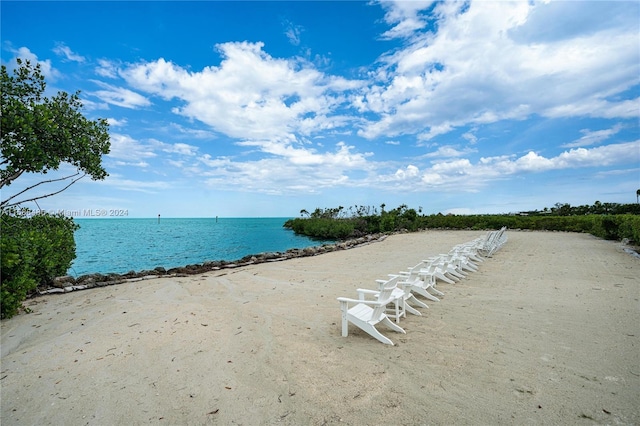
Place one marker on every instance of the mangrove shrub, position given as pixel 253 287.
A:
pixel 35 250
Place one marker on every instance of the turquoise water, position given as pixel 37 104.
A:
pixel 123 245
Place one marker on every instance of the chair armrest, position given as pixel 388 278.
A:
pixel 367 291
pixel 405 285
pixel 347 300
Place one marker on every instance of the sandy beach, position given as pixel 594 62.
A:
pixel 546 332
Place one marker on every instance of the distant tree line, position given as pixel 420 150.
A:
pixel 560 209
pixel 605 220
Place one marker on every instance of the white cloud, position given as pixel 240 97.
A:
pixel 106 68
pixel 404 16
pixel 138 164
pixel 463 175
pixel 470 137
pixel 605 155
pixel 180 148
pixel 116 123
pixel 251 95
pixel 410 171
pixel 90 105
pixel 478 66
pixel 63 50
pixel 120 96
pixel 124 147
pixel 292 32
pixel 448 151
pixel 593 137
pixel 291 170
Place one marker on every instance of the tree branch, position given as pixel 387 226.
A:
pixel 8 180
pixel 4 204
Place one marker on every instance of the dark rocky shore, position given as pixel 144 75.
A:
pixel 69 283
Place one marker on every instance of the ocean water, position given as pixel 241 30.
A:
pixel 123 245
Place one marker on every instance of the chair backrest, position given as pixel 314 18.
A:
pixel 430 265
pixel 414 273
pixel 384 298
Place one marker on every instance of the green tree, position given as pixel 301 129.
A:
pixel 37 134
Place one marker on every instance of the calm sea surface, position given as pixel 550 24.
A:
pixel 123 245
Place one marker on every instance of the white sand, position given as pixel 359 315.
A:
pixel 547 332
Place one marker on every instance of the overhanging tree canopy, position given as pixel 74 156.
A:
pixel 37 134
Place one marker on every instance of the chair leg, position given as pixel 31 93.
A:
pixel 455 273
pixel 444 278
pixel 417 302
pixel 469 267
pixel 424 293
pixel 345 324
pixel 392 325
pixel 436 291
pixel 412 310
pixel 399 309
pixel 371 331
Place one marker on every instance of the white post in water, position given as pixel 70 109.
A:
pixel 158 218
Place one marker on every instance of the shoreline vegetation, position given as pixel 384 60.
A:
pixel 38 251
pixel 604 220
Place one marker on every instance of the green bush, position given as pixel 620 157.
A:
pixel 35 250
pixel 322 227
pixel 617 227
pixel 630 228
pixel 388 222
pixel 326 223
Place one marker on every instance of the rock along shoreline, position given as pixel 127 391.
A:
pixel 68 283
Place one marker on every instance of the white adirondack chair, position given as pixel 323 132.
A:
pixel 434 268
pixel 451 268
pixel 493 242
pixel 470 250
pixel 428 272
pixel 366 314
pixel 462 262
pixel 419 284
pixel 499 240
pixel 400 297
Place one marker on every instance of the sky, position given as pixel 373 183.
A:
pixel 267 108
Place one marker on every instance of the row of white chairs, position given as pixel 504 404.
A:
pixel 493 241
pixel 396 294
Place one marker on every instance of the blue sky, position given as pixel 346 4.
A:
pixel 262 109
